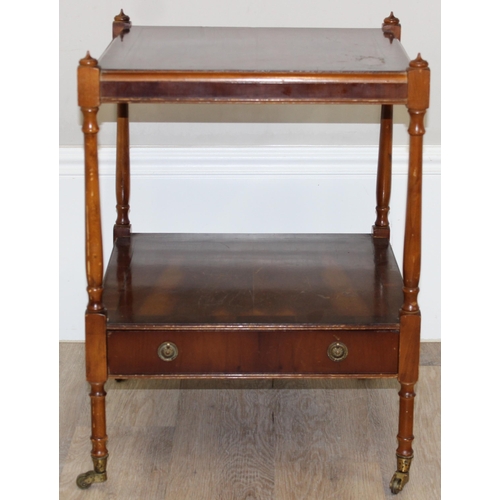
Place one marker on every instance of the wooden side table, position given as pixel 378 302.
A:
pixel 253 305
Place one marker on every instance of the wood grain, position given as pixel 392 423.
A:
pixel 318 280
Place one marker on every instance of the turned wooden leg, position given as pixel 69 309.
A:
pixel 409 346
pixel 384 174
pixel 99 451
pixel 95 347
pixel 392 30
pixel 122 225
pixel 404 452
pixel 95 317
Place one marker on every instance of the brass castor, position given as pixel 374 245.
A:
pixel 398 481
pixel 402 475
pixel 98 475
pixel 85 480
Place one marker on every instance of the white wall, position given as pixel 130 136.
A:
pixel 320 160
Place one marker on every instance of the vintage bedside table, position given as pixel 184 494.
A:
pixel 253 305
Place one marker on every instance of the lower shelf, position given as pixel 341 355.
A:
pixel 253 279
pixel 252 305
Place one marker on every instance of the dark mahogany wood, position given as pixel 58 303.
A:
pixel 243 352
pixel 335 92
pixel 253 305
pixel 325 280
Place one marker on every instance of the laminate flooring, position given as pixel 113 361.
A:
pixel 249 440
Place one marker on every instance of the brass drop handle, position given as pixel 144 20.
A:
pixel 337 351
pixel 168 351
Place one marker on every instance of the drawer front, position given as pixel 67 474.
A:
pixel 265 352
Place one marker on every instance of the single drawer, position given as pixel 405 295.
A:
pixel 252 352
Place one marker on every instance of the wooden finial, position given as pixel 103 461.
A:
pixel 88 82
pixel 121 24
pixel 419 62
pixel 121 17
pixel 392 19
pixel 88 60
pixel 391 27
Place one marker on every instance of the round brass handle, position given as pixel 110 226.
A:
pixel 168 351
pixel 337 351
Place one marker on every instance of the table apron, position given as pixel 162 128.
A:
pixel 221 91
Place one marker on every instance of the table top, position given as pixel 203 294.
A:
pixel 261 50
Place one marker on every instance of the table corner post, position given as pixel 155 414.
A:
pixel 410 317
pixel 89 101
pixel 417 104
pixel 95 314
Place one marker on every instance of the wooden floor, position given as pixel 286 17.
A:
pixel 246 440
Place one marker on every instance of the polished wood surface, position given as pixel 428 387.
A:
pixel 250 353
pixel 235 89
pixel 254 50
pixel 323 280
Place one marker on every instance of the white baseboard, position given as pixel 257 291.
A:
pixel 262 161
